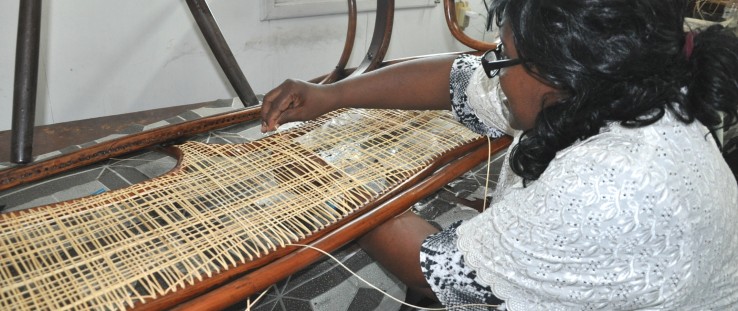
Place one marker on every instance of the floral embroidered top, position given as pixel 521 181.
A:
pixel 631 218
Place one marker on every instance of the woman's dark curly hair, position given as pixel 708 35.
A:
pixel 616 61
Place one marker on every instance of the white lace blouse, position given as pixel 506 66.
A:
pixel 643 218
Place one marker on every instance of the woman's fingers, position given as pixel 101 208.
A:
pixel 275 103
pixel 293 100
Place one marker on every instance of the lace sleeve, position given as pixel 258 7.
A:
pixel 463 74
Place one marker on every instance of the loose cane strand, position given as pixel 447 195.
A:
pixel 383 292
pixel 486 177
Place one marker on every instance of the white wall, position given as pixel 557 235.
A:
pixel 106 57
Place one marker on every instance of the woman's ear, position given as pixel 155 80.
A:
pixel 553 96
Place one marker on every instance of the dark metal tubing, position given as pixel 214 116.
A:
pixel 26 81
pixel 219 47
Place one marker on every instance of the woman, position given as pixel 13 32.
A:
pixel 614 194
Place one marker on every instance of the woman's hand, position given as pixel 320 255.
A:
pixel 295 100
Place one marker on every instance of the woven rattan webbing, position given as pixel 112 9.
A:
pixel 227 204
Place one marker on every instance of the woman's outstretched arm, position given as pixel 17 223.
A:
pixel 415 84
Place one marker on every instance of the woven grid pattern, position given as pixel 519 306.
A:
pixel 228 204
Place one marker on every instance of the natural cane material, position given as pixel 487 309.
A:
pixel 222 207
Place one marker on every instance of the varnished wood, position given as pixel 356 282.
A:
pixel 449 8
pixel 119 146
pixel 349 229
pixel 208 284
pixel 380 38
pixel 53 137
pixel 339 72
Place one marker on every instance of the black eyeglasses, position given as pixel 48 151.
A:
pixel 493 61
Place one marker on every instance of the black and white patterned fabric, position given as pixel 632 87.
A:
pixel 461 73
pixel 443 265
pixel 455 284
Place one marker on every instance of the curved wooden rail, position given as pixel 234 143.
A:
pixel 35 171
pixel 449 7
pixel 380 38
pixel 258 280
pixel 339 72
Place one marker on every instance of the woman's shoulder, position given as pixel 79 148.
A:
pixel 667 144
pixel 679 163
